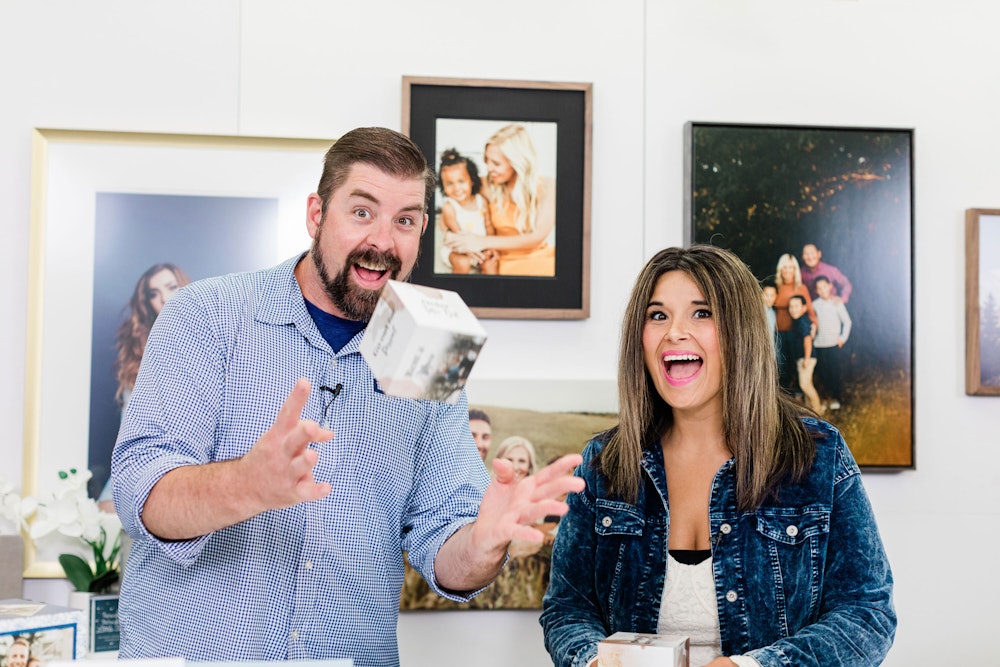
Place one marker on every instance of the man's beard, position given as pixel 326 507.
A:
pixel 356 303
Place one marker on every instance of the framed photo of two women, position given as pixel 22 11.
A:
pixel 509 226
pixel 823 216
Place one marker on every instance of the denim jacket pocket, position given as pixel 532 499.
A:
pixel 791 542
pixel 616 518
pixel 795 526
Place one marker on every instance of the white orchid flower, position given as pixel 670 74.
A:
pixel 13 507
pixel 71 512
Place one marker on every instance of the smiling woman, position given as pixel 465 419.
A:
pixel 680 345
pixel 707 438
pixel 154 288
pixel 521 453
pixel 521 207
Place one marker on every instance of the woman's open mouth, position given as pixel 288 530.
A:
pixel 681 368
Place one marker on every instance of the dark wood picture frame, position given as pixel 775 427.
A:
pixel 982 303
pixel 440 113
pixel 766 191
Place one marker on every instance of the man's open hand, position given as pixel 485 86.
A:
pixel 279 467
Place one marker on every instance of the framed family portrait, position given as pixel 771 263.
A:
pixel 531 424
pixel 509 223
pixel 982 302
pixel 119 222
pixel 823 216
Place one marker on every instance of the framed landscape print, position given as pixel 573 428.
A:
pixel 982 302
pixel 509 226
pixel 822 215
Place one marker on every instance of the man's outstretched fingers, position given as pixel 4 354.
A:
pixel 291 410
pixel 564 465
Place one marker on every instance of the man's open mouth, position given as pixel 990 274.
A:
pixel 371 265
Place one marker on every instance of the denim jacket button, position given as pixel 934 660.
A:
pixel 606 521
pixel 725 529
pixel 732 596
pixel 792 531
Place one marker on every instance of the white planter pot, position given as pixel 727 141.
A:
pixel 80 600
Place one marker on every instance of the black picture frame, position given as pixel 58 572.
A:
pixel 766 190
pixel 440 111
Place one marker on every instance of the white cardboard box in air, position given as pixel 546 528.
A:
pixel 633 649
pixel 422 342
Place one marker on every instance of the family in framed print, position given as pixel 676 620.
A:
pixel 823 216
pixel 503 221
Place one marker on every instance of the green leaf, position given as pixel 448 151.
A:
pixel 77 571
pixel 104 582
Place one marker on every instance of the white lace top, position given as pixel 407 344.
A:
pixel 689 608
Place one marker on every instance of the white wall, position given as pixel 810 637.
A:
pixel 313 68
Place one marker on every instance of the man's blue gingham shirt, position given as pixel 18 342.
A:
pixel 318 580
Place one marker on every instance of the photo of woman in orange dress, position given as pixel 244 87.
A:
pixel 521 204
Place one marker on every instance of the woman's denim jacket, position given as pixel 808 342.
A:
pixel 803 580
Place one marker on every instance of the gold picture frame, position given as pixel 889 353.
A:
pixel 71 171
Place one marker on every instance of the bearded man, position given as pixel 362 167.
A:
pixel 269 486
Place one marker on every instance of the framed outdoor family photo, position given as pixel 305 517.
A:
pixel 529 423
pixel 509 226
pixel 823 216
pixel 982 302
pixel 119 222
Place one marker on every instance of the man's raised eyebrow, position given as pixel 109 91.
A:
pixel 419 208
pixel 365 195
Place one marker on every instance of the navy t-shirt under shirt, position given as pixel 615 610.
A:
pixel 802 327
pixel 336 330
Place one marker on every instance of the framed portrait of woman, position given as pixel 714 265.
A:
pixel 509 223
pixel 119 222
